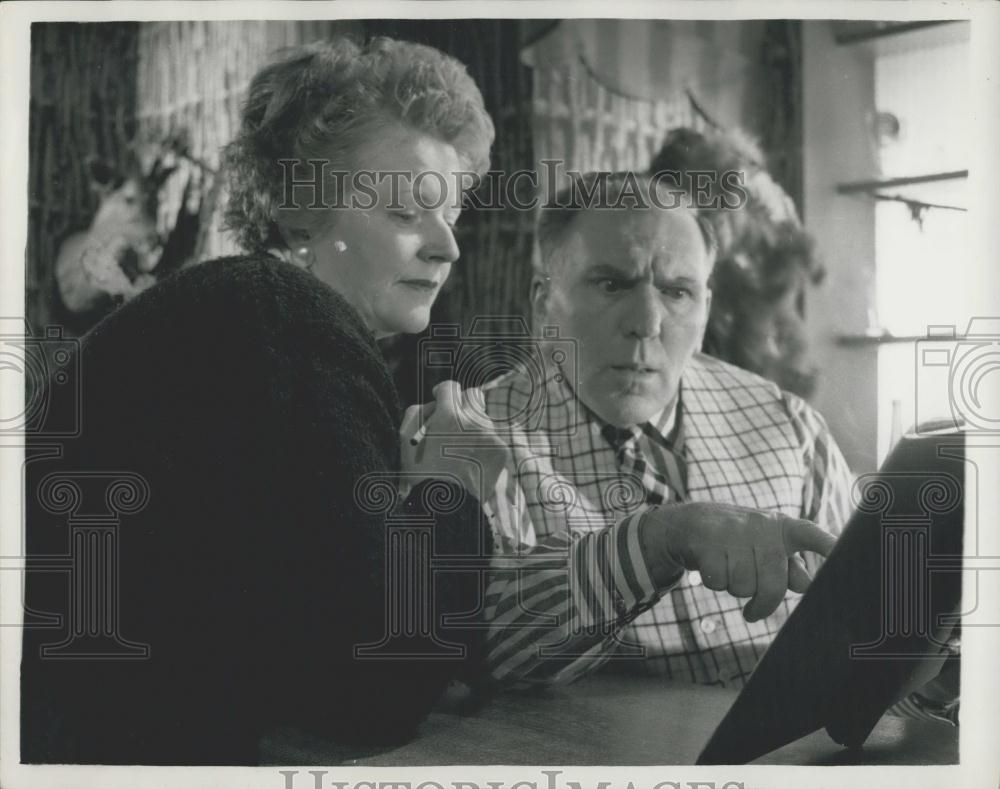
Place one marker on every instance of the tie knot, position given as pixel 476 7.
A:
pixel 620 437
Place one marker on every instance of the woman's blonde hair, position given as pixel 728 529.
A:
pixel 324 100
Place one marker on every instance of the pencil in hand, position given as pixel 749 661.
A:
pixel 473 395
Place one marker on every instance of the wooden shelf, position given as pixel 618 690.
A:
pixel 886 338
pixel 871 33
pixel 888 183
pixel 897 38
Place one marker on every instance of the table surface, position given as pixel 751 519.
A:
pixel 608 720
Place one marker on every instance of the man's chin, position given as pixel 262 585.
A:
pixel 624 409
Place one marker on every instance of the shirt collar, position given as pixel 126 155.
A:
pixel 665 421
pixel 663 426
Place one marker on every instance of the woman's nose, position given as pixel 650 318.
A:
pixel 643 312
pixel 439 244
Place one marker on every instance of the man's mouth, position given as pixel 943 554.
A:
pixel 636 368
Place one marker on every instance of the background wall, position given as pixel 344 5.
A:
pixel 607 91
pixel 838 86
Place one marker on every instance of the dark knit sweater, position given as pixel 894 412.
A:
pixel 251 398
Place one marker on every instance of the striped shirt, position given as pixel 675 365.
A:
pixel 569 589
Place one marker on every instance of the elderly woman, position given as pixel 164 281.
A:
pixel 247 395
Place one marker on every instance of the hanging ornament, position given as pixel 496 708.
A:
pixel 917 212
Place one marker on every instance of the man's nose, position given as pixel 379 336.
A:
pixel 643 312
pixel 439 244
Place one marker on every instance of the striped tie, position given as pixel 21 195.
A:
pixel 663 474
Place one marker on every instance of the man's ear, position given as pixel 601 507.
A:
pixel 539 298
pixel 708 312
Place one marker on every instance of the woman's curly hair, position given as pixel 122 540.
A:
pixel 765 264
pixel 324 100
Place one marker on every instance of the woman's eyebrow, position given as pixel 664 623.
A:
pixel 424 198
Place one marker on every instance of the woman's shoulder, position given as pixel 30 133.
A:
pixel 253 295
pixel 253 306
pixel 313 341
pixel 262 280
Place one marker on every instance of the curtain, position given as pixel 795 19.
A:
pixel 82 104
pixel 608 90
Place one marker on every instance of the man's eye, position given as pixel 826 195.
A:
pixel 677 293
pixel 405 217
pixel 610 285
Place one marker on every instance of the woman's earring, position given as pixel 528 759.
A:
pixel 340 246
pixel 304 258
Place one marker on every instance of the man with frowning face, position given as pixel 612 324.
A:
pixel 669 484
pixel 631 288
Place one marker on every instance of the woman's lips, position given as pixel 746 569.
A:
pixel 425 285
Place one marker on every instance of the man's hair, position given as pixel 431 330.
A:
pixel 607 191
pixel 324 100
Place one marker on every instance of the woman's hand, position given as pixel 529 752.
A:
pixel 453 437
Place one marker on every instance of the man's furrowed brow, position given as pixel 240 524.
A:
pixel 610 269
pixel 405 191
pixel 682 279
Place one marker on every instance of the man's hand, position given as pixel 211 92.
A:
pixel 737 550
pixel 454 438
